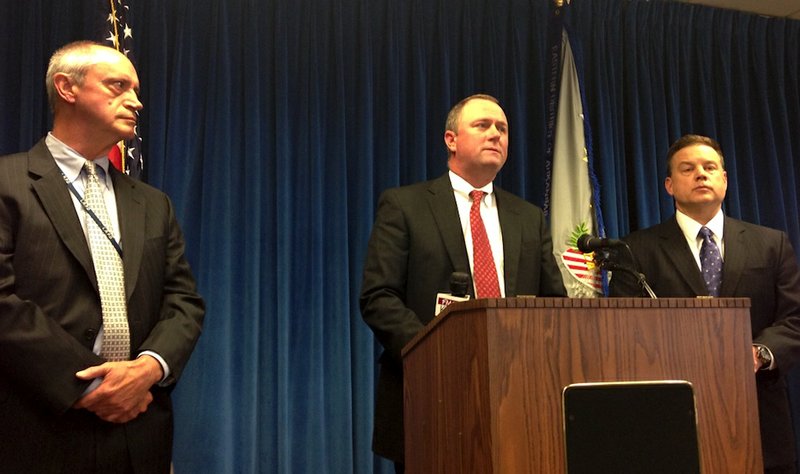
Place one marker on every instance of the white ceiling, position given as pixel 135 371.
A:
pixel 777 8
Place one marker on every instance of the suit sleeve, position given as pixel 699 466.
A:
pixel 383 289
pixel 182 310
pixel 38 356
pixel 783 335
pixel 551 281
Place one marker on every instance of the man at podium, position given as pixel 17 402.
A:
pixel 459 222
pixel 702 252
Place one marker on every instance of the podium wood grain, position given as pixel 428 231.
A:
pixel 483 382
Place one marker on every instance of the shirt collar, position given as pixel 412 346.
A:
pixel 71 162
pixel 462 187
pixel 691 227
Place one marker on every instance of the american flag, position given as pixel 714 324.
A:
pixel 127 156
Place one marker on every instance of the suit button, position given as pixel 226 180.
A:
pixel 90 334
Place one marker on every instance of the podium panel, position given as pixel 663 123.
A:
pixel 484 381
pixel 631 428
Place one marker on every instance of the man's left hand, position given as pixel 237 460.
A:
pixel 124 392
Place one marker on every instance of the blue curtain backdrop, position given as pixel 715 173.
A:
pixel 274 125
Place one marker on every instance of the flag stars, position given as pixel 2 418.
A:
pixel 120 37
pixel 113 39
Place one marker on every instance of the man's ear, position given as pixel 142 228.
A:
pixel 450 140
pixel 668 185
pixel 65 87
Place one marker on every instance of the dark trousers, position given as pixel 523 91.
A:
pixel 103 448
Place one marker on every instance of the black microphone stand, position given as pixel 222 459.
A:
pixel 604 260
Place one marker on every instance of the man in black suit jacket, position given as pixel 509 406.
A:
pixel 63 407
pixel 420 237
pixel 758 263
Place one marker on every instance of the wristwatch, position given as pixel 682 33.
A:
pixel 764 356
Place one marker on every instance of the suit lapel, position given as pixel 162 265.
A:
pixel 54 195
pixel 443 206
pixel 445 212
pixel 735 256
pixel 676 250
pixel 131 214
pixel 511 229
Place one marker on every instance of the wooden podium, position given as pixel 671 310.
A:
pixel 483 382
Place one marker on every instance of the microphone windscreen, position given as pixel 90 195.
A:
pixel 584 243
pixel 459 283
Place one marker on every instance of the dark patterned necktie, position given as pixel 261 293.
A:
pixel 484 271
pixel 109 272
pixel 710 262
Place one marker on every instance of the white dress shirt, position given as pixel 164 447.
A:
pixel 691 228
pixel 491 221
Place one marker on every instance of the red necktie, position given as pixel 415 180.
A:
pixel 484 272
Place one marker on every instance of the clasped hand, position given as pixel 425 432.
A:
pixel 124 392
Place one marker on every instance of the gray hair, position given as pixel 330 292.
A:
pixel 74 60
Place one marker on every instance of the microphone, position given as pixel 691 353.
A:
pixel 459 284
pixel 588 243
pixel 640 278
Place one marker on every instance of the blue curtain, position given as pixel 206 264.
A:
pixel 722 74
pixel 274 125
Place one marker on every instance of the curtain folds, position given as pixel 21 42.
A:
pixel 274 125
pixel 724 74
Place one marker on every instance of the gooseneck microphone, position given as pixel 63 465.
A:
pixel 606 256
pixel 640 278
pixel 589 243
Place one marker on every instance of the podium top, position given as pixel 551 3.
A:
pixel 533 302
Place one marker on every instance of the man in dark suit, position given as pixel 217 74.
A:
pixel 423 233
pixel 63 406
pixel 757 262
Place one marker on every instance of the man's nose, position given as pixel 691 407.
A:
pixel 133 101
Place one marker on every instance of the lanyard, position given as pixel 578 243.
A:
pixel 91 213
